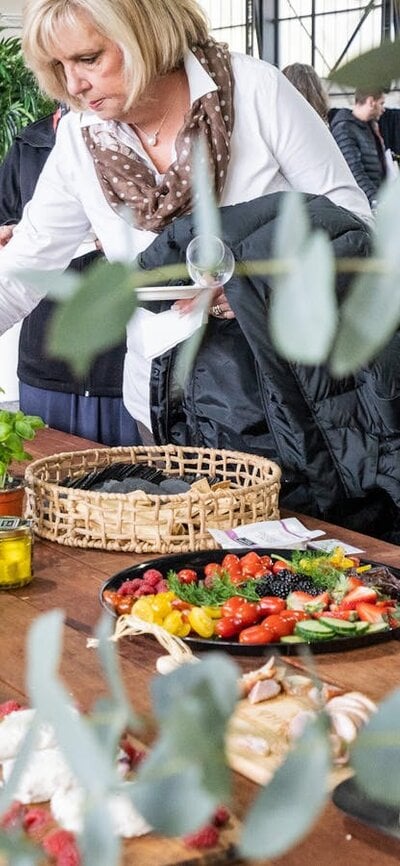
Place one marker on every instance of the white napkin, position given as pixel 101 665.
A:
pixel 158 332
pixel 286 533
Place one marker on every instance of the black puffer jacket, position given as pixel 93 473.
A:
pixel 335 440
pixel 19 174
pixel 361 149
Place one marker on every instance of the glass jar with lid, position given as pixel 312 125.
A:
pixel 15 552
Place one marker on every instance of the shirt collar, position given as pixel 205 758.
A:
pixel 200 83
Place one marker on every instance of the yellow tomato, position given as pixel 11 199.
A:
pixel 200 622
pixel 144 609
pixel 174 623
pixel 213 612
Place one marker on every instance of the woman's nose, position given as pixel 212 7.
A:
pixel 76 83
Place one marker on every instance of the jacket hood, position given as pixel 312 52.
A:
pixel 38 134
pixel 347 115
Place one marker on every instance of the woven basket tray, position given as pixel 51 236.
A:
pixel 141 522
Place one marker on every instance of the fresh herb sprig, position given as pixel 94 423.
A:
pixel 213 596
pixel 318 567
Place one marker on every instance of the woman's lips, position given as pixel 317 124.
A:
pixel 95 104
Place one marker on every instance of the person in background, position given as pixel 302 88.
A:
pixel 146 80
pixel 305 79
pixel 93 407
pixel 357 133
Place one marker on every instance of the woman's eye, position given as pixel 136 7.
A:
pixel 89 60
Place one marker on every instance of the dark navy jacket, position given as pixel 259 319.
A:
pixel 362 150
pixel 337 441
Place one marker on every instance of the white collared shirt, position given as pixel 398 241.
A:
pixel 278 143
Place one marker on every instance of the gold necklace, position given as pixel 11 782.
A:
pixel 152 137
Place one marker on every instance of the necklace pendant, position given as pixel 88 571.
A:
pixel 152 139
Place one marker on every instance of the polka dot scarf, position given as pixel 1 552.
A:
pixel 127 180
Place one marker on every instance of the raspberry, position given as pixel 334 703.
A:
pixel 36 820
pixel 152 576
pixel 56 841
pixel 220 816
pixel 144 589
pixel 12 818
pixel 128 587
pixel 162 586
pixel 206 837
pixel 9 707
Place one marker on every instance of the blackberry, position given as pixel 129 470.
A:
pixel 284 582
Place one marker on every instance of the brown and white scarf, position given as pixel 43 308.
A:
pixel 125 177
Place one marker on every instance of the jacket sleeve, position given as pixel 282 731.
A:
pixel 10 193
pixel 345 137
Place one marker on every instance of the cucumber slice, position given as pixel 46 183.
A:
pixel 313 629
pixel 374 627
pixel 339 626
pixel 292 638
pixel 361 627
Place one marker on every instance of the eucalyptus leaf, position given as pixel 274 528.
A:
pixel 174 803
pixel 369 317
pixel 56 285
pixel 375 755
pixel 303 313
pixel 19 851
pixel 95 318
pixel 88 760
pixel 7 792
pixel 205 212
pixel 98 844
pixel 293 229
pixel 118 705
pixel 373 70
pixel 288 806
pixel 386 245
pixel 217 674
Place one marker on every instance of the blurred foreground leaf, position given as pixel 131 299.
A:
pixel 186 775
pixel 373 70
pixel 288 806
pixel 375 755
pixel 303 311
pixel 370 314
pixel 95 318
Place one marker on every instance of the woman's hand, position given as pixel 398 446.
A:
pixel 219 306
pixel 6 233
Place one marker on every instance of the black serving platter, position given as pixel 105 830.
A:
pixel 198 560
pixel 356 804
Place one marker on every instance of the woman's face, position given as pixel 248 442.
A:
pixel 93 68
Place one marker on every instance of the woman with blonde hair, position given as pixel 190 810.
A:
pixel 305 79
pixel 145 80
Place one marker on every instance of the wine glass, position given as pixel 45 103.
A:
pixel 209 261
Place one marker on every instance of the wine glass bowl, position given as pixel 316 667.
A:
pixel 209 261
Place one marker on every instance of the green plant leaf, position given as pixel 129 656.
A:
pixel 98 844
pixel 205 212
pixel 373 70
pixel 293 229
pixel 188 702
pixel 94 319
pixel 19 851
pixel 303 312
pixel 288 806
pixel 375 755
pixel 7 792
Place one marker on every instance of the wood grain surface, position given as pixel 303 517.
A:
pixel 70 579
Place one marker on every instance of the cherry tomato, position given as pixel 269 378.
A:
pixel 263 572
pixel 247 614
pixel 110 597
pixel 280 626
pixel 212 569
pixel 250 563
pixel 270 604
pixel 187 575
pixel 200 623
pixel 294 615
pixel 236 576
pixel 256 634
pixel 230 606
pixel 124 604
pixel 279 565
pixel 226 627
pixel 178 604
pixel 229 560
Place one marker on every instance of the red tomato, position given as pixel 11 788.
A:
pixel 263 572
pixel 279 565
pixel 247 614
pixel 178 604
pixel 187 575
pixel 294 615
pixel 256 634
pixel 236 575
pixel 229 560
pixel 279 625
pixel 212 569
pixel 230 606
pixel 250 563
pixel 271 604
pixel 226 627
pixel 124 604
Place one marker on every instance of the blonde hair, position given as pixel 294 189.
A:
pixel 305 79
pixel 153 36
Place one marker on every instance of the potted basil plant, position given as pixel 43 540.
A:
pixel 16 428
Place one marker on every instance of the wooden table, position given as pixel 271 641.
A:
pixel 70 578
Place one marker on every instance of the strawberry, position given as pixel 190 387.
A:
pixel 318 603
pixel 297 600
pixel 56 841
pixel 359 594
pixel 349 615
pixel 36 820
pixel 370 612
pixel 206 837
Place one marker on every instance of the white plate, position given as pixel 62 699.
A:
pixel 167 293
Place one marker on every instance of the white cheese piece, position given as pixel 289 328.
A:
pixel 67 807
pixel 13 730
pixel 45 772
